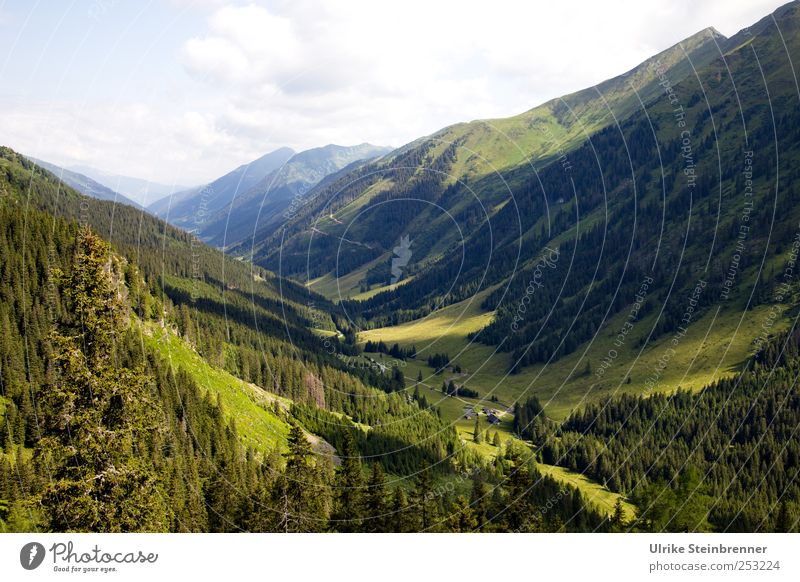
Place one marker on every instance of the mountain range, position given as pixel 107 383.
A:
pixel 640 177
pixel 254 196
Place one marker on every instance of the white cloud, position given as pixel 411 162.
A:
pixel 243 46
pixel 309 72
pixel 133 139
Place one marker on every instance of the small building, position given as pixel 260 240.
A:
pixel 492 418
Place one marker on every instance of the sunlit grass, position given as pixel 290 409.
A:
pixel 247 404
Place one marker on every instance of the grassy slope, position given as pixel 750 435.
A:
pixel 344 287
pixel 453 409
pixel 595 493
pixel 715 345
pixel 561 124
pixel 445 331
pixel 380 289
pixel 258 426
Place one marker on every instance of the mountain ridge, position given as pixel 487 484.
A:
pixel 143 192
pixel 87 185
pixel 476 153
pixel 262 206
pixel 189 208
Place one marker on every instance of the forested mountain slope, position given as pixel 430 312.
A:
pixel 134 398
pixel 85 184
pixel 691 199
pixel 442 189
pixel 504 302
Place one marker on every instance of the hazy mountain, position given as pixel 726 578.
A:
pixel 191 208
pixel 143 192
pixel 86 185
pixel 263 206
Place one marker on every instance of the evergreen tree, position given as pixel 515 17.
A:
pixel 349 485
pixel 424 501
pixel 399 518
pixel 376 503
pixel 783 523
pixel 681 509
pixel 618 517
pixel 519 514
pixel 98 415
pixel 462 518
pixel 480 502
pixel 299 495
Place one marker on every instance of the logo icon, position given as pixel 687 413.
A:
pixel 402 256
pixel 31 555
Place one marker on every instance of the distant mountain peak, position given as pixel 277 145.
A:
pixel 183 208
pixel 263 203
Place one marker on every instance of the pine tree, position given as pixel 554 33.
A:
pixel 299 495
pixel 376 504
pixel 519 514
pixel 98 416
pixel 496 441
pixel 476 432
pixel 680 510
pixel 398 379
pixel 349 485
pixel 480 502
pixel 424 502
pixel 618 517
pixel 399 518
pixel 783 523
pixel 462 518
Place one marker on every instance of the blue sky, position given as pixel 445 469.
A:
pixel 181 91
pixel 84 47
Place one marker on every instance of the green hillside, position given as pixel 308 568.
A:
pixel 463 171
pixel 190 390
pixel 668 207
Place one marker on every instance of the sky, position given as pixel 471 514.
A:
pixel 182 91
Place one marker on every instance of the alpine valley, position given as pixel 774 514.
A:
pixel 581 318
